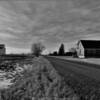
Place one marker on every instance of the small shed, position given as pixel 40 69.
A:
pixel 88 48
pixel 2 49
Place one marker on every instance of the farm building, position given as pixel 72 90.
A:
pixel 88 48
pixel 2 49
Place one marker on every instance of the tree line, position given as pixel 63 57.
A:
pixel 38 48
pixel 61 51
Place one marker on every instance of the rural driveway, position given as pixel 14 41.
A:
pixel 65 66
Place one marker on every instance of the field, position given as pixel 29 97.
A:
pixel 9 68
pixel 38 78
pixel 32 78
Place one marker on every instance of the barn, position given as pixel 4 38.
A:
pixel 2 49
pixel 88 48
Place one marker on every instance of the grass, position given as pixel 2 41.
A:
pixel 38 81
pixel 84 87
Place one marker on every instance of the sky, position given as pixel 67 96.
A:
pixel 52 22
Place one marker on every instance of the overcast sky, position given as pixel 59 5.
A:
pixel 23 22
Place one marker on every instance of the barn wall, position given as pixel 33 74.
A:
pixel 92 52
pixel 80 50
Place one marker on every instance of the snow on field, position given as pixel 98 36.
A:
pixel 39 82
pixel 88 60
pixel 4 82
pixel 7 77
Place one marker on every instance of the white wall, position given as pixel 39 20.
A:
pixel 80 50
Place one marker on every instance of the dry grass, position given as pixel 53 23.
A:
pixel 38 81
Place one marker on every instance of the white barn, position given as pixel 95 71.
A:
pixel 88 48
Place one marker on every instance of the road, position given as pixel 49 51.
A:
pixel 64 66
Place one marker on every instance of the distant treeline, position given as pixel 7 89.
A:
pixel 61 52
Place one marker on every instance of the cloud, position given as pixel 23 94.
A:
pixel 49 21
pixel 16 50
pixel 7 36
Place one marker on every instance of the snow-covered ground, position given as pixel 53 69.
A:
pixel 7 77
pixel 88 60
pixel 4 82
pixel 40 81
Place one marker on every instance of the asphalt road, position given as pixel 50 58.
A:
pixel 64 66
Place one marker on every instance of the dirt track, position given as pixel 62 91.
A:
pixel 63 66
pixel 81 77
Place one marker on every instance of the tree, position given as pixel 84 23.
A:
pixel 55 53
pixel 73 51
pixel 37 49
pixel 61 51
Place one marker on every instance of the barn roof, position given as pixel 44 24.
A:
pixel 91 44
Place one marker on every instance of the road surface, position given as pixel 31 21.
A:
pixel 64 66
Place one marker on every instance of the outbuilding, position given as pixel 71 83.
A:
pixel 88 48
pixel 2 49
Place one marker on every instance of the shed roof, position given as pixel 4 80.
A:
pixel 91 44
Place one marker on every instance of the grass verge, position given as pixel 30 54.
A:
pixel 38 81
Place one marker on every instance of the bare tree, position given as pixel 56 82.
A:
pixel 37 49
pixel 73 51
